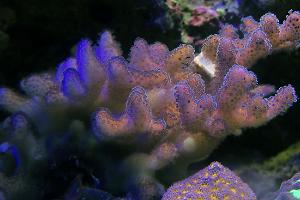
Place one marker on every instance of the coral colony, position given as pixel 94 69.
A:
pixel 213 182
pixel 157 111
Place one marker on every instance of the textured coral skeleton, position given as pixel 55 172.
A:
pixel 171 107
pixel 212 182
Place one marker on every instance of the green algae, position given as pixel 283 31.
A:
pixel 282 158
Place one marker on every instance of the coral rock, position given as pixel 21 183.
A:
pixel 213 182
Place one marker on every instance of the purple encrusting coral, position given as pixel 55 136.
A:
pixel 156 103
pixel 213 182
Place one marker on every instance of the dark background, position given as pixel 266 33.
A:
pixel 37 35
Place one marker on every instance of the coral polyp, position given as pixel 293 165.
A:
pixel 159 109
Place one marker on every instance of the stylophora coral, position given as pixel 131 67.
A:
pixel 156 104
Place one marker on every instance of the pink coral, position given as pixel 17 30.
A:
pixel 158 101
pixel 202 15
pixel 168 99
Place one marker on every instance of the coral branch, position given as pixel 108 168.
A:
pixel 136 119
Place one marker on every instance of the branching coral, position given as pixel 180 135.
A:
pixel 156 104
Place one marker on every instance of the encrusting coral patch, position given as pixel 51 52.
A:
pixel 213 182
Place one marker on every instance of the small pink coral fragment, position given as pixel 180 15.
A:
pixel 202 15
